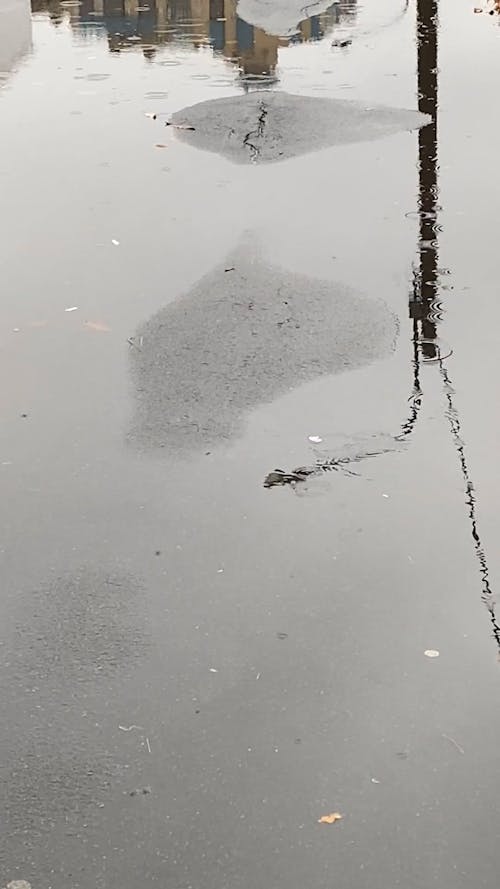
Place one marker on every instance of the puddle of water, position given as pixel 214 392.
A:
pixel 249 36
pixel 363 579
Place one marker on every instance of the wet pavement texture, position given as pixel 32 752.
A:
pixel 270 126
pixel 196 669
pixel 246 333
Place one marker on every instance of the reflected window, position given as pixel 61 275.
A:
pixel 244 35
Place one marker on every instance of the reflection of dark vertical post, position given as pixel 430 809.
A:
pixel 425 280
pixel 423 300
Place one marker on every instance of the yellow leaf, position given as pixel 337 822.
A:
pixel 330 819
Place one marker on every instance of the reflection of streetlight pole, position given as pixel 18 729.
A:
pixel 423 294
pixel 425 277
pixel 423 300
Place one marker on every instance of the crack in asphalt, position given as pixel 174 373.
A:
pixel 258 133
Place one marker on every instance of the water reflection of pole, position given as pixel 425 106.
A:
pixel 423 301
pixel 423 295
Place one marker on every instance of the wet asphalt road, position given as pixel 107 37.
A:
pixel 194 670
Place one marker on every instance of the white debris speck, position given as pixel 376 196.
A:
pixel 315 439
pixel 386 496
pixel 129 728
pixel 220 570
pixel 115 242
pixel 16 330
pixel 431 652
pixel 375 781
pixel 72 309
pixel 213 670
pixel 18 884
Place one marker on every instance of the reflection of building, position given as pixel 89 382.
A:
pixel 15 33
pixel 149 24
pixel 53 9
pixel 253 49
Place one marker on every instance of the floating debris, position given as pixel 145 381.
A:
pixel 180 126
pixel 280 477
pixel 19 884
pixel 140 791
pixel 330 819
pixel 360 448
pixel 431 652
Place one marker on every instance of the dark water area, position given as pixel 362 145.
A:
pixel 196 669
